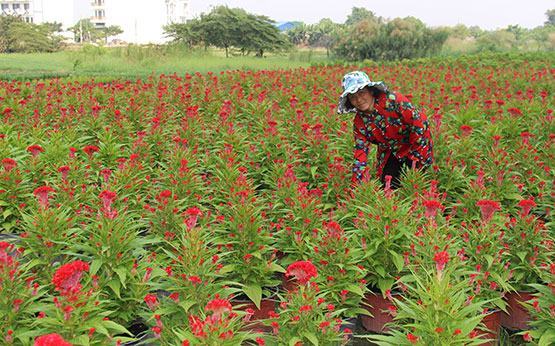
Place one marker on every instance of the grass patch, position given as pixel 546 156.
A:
pixel 139 62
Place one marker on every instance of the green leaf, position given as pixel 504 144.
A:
pixel 489 259
pixel 277 268
pixel 313 170
pixel 385 284
pixel 311 337
pixel 397 260
pixel 111 325
pixel 254 293
pixel 186 304
pixel 294 341
pixel 81 340
pixel 115 285
pixel 227 269
pixel 7 213
pixel 95 266
pixel 122 273
pixel 547 338
pixel 522 256
pixel 355 289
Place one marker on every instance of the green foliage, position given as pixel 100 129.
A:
pixel 227 27
pixel 17 36
pixel 400 38
pixel 85 31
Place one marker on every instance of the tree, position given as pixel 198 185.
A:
pixel 399 38
pixel 85 31
pixel 359 14
pixel 225 28
pixel 550 17
pixel 109 31
pixel 16 35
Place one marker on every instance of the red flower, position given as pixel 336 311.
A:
pixel 466 130
pixel 457 331
pixel 67 278
pixel 526 205
pixel 218 306
pixel 303 271
pixel 108 198
pixel 35 149
pixel 51 340
pixel 441 259
pixel 90 150
pixel 431 208
pixel 412 338
pixel 42 195
pixel 151 301
pixel 527 337
pixel 9 164
pixel 487 208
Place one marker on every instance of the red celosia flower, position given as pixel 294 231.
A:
pixel 413 339
pixel 65 171
pixel 151 301
pixel 441 259
pixel 51 340
pixel 35 149
pixel 218 306
pixel 457 331
pixel 487 208
pixel 466 130
pixel 90 150
pixel 431 208
pixel 526 205
pixel 42 195
pixel 9 164
pixel 527 337
pixel 108 198
pixel 303 271
pixel 67 278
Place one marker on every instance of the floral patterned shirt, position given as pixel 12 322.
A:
pixel 397 128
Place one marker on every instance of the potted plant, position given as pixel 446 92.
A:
pixel 528 242
pixel 542 310
pixel 304 316
pixel 436 308
pixel 383 225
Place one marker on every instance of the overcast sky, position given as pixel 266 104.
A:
pixel 487 14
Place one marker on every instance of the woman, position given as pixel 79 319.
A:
pixel 388 120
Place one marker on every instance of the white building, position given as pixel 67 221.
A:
pixel 67 12
pixel 142 21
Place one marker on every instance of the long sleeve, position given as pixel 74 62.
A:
pixel 420 139
pixel 362 139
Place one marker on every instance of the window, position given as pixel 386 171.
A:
pixel 99 14
pixel 5 7
pixel 26 6
pixel 15 6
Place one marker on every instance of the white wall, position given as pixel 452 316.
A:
pixel 141 20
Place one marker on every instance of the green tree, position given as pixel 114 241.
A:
pixel 85 31
pixel 550 17
pixel 227 28
pixel 359 14
pixel 16 35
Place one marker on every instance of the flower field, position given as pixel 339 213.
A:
pixel 217 209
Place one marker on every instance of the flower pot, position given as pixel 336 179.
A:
pixel 288 284
pixel 377 305
pixel 254 323
pixel 492 328
pixel 517 316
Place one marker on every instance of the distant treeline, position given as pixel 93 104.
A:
pixel 362 36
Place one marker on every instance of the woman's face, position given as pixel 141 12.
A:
pixel 362 100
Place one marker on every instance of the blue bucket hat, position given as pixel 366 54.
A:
pixel 353 82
